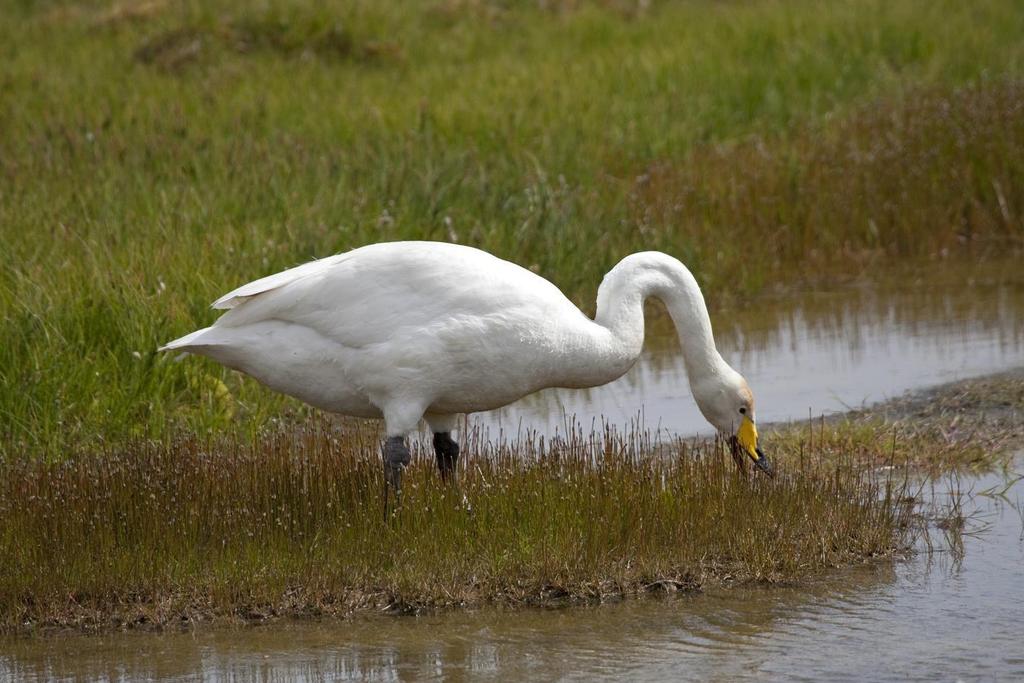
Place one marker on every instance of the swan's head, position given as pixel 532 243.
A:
pixel 728 404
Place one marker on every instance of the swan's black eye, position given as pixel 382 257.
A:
pixel 743 411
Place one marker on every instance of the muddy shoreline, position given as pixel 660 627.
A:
pixel 985 413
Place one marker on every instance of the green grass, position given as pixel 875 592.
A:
pixel 160 533
pixel 154 155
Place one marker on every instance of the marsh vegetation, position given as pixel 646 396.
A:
pixel 292 524
pixel 154 155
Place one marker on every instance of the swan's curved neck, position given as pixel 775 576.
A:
pixel 620 301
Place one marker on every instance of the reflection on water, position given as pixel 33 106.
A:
pixel 928 619
pixel 819 352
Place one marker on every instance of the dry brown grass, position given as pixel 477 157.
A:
pixel 292 524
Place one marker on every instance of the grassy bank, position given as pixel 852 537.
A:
pixel 156 154
pixel 183 531
pixel 154 534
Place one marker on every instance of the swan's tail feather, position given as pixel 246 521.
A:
pixel 276 281
pixel 190 340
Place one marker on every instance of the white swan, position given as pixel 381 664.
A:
pixel 414 330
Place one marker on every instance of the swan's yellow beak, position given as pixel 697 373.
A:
pixel 747 439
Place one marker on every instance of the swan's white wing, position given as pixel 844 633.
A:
pixel 398 290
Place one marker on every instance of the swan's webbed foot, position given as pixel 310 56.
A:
pixel 447 451
pixel 396 457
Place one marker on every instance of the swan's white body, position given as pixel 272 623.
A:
pixel 413 330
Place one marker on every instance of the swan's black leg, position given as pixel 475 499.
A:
pixel 447 452
pixel 396 457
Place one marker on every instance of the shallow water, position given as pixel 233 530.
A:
pixel 932 618
pixel 814 353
